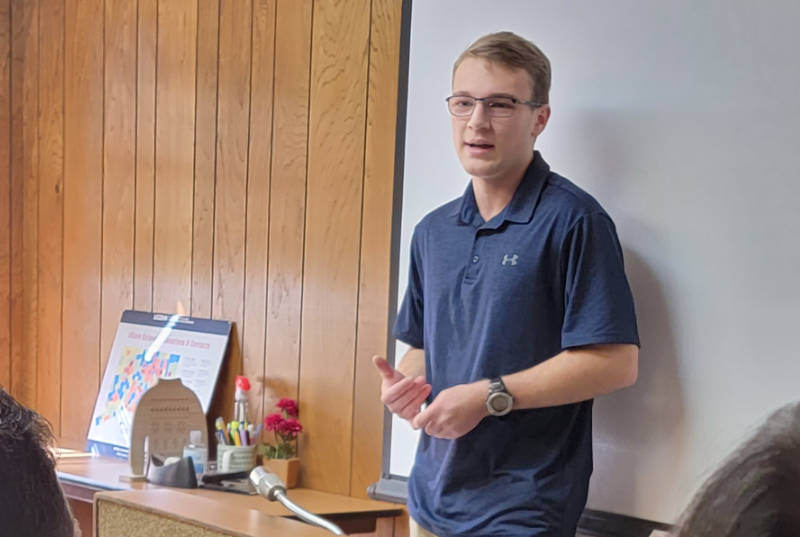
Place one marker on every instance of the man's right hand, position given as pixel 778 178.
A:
pixel 402 395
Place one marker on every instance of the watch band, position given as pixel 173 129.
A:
pixel 497 385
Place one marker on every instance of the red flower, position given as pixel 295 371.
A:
pixel 291 427
pixel 288 405
pixel 273 422
pixel 285 430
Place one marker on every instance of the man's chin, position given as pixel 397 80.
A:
pixel 478 167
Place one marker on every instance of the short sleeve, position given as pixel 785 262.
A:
pixel 408 326
pixel 598 303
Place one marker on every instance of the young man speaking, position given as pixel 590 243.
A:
pixel 518 313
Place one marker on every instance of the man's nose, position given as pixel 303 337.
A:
pixel 480 116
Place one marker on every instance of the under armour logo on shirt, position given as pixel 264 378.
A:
pixel 510 260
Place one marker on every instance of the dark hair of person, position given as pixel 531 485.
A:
pixel 756 491
pixel 31 500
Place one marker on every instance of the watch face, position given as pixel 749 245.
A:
pixel 499 403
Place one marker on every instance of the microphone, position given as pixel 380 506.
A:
pixel 272 488
pixel 267 484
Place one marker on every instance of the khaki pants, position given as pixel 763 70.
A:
pixel 414 530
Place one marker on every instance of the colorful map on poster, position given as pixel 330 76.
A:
pixel 133 376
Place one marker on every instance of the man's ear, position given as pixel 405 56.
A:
pixel 542 116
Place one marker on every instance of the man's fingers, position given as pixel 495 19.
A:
pixel 408 406
pixel 421 420
pixel 401 389
pixel 386 370
pixel 402 399
pixel 411 407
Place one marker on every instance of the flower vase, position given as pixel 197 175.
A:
pixel 285 469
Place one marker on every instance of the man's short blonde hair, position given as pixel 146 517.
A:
pixel 512 51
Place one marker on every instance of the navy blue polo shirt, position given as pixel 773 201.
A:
pixel 487 299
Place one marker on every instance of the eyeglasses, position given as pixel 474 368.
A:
pixel 464 105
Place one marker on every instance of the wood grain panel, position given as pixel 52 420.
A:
pixel 384 527
pixel 145 154
pixel 24 187
pixel 211 153
pixel 333 226
pixel 5 193
pixel 401 523
pixel 258 180
pixel 235 27
pixel 376 240
pixel 51 209
pixel 205 152
pixel 16 61
pixel 288 198
pixel 82 511
pixel 83 195
pixel 119 169
pixel 26 358
pixel 175 121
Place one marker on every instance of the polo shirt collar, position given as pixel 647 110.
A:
pixel 522 205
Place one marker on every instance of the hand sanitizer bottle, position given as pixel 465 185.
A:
pixel 240 399
pixel 197 451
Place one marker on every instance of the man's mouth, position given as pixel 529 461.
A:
pixel 480 146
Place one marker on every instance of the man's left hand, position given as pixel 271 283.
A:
pixel 455 411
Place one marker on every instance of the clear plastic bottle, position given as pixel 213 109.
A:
pixel 197 451
pixel 240 399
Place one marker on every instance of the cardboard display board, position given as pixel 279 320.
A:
pixel 165 415
pixel 148 347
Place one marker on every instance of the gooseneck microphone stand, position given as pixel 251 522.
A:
pixel 272 488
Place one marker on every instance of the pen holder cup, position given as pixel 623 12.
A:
pixel 235 458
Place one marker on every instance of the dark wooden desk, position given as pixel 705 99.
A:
pixel 82 478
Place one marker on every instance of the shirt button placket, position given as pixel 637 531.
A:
pixel 472 268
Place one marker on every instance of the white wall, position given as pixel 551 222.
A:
pixel 682 118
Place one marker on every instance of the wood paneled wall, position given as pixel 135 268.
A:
pixel 233 156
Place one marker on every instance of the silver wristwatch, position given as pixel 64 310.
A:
pixel 498 402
